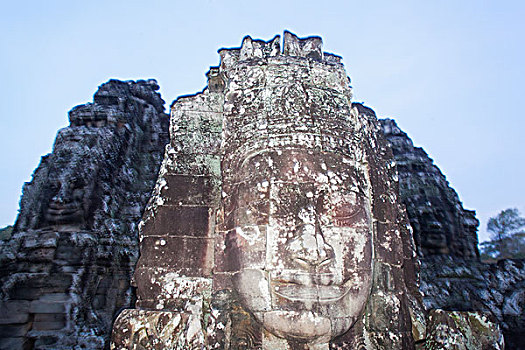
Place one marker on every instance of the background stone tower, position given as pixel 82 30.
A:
pixel 66 270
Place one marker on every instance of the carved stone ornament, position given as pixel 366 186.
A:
pixel 276 221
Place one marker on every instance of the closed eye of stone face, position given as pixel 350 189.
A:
pixel 349 211
pixel 340 209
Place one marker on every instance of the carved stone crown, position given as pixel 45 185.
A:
pixel 297 98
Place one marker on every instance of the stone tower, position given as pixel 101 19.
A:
pixel 275 221
pixel 66 271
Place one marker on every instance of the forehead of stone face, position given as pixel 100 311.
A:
pixel 302 166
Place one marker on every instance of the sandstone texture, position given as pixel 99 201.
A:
pixel 66 270
pixel 497 290
pixel 276 221
pixel 440 223
pixel 462 331
pixel 273 190
pixel 452 277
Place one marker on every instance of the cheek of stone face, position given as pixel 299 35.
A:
pixel 279 252
pixel 251 243
pixel 249 228
pixel 353 252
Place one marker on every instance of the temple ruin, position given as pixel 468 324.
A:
pixel 268 211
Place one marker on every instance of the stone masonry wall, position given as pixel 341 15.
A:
pixel 66 271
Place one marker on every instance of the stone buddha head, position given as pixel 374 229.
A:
pixel 71 177
pixel 299 239
pixel 79 153
pixel 319 247
pixel 302 227
pixel 297 192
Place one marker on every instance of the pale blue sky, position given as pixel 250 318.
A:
pixel 450 72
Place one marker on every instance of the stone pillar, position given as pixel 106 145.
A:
pixel 174 272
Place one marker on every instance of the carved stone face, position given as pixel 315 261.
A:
pixel 301 223
pixel 66 204
pixel 72 176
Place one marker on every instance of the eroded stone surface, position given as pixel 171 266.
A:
pixel 457 330
pixel 66 270
pixel 192 245
pixel 452 277
pixel 306 243
pixel 440 223
pixel 495 289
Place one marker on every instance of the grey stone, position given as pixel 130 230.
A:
pixel 14 311
pixel 46 307
pixel 457 330
pixel 75 242
pixel 303 213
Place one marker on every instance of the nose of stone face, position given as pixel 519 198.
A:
pixel 310 249
pixel 59 198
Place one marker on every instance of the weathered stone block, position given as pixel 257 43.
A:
pixel 70 253
pixel 55 297
pixel 196 221
pixel 48 239
pixel 48 326
pixel 47 317
pixel 197 142
pixel 188 190
pixel 46 307
pixel 41 254
pixel 16 343
pixel 458 330
pixel 163 284
pixel 18 330
pixel 189 256
pixel 14 311
pixel 35 292
pixel 157 330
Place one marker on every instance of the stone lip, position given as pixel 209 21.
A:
pixel 298 292
pixel 305 278
pixel 302 326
